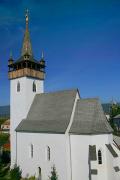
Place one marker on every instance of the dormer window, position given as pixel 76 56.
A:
pixel 18 86
pixel 34 86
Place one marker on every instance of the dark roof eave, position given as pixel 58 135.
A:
pixel 44 132
pixel 75 133
pixel 19 62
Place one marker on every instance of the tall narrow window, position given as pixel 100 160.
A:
pixel 99 157
pixel 34 87
pixel 31 150
pixel 18 86
pixel 48 153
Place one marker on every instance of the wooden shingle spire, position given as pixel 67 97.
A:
pixel 27 47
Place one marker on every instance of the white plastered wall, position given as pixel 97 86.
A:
pixel 57 144
pixel 113 162
pixel 20 103
pixel 80 152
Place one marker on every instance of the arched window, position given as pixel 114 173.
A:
pixel 34 87
pixel 18 86
pixel 99 157
pixel 48 153
pixel 31 150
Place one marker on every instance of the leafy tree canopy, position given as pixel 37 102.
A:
pixel 3 138
pixel 114 110
pixel 15 173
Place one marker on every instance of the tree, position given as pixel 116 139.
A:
pixel 15 173
pixel 4 138
pixel 54 175
pixel 114 110
pixel 5 158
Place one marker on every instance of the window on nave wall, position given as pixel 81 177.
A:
pixel 99 157
pixel 31 150
pixel 48 153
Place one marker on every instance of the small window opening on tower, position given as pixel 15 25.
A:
pixel 99 157
pixel 34 87
pixel 18 86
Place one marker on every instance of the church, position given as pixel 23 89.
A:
pixel 57 129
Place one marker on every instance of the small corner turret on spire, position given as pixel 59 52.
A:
pixel 42 61
pixel 11 54
pixel 42 55
pixel 10 61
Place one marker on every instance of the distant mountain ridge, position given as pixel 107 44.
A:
pixel 106 108
pixel 5 111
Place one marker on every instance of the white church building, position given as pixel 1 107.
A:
pixel 57 129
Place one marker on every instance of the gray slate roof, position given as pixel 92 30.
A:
pixel 117 140
pixel 117 116
pixel 112 151
pixel 89 118
pixel 49 113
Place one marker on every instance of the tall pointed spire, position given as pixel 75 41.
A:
pixel 26 65
pixel 26 47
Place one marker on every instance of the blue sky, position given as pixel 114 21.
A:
pixel 81 41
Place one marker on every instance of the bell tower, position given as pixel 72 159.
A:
pixel 26 77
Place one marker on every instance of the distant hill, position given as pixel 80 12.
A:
pixel 5 111
pixel 106 108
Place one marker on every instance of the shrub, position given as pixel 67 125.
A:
pixel 4 138
pixel 5 158
pixel 54 175
pixel 32 178
pixel 15 173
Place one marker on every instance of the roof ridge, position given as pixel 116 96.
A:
pixel 88 99
pixel 59 91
